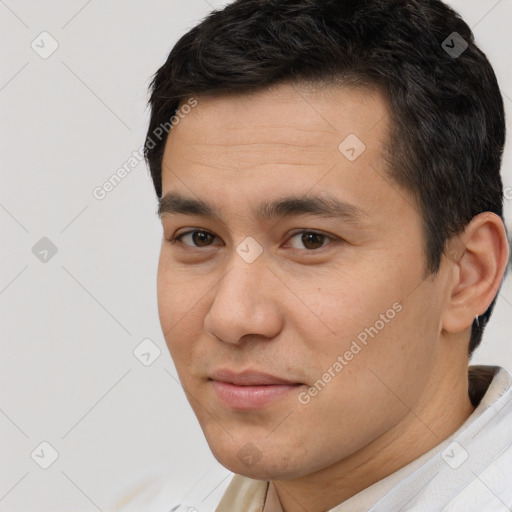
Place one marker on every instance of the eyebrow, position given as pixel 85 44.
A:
pixel 327 206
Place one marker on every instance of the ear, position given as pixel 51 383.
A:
pixel 477 271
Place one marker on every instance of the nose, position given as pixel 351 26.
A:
pixel 245 305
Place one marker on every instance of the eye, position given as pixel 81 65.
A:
pixel 199 238
pixel 311 240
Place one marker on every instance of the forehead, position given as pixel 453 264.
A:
pixel 300 115
pixel 288 140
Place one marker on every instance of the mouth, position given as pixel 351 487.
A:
pixel 250 389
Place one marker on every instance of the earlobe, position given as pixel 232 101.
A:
pixel 478 271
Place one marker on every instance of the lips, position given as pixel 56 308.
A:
pixel 249 378
pixel 249 389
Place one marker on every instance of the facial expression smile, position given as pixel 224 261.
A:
pixel 280 251
pixel 250 389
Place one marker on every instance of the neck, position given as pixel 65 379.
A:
pixel 429 422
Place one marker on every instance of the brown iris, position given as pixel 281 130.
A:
pixel 202 238
pixel 312 239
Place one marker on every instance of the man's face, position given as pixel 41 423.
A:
pixel 298 337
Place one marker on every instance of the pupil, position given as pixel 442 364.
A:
pixel 308 238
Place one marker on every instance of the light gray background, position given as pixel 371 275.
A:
pixel 69 326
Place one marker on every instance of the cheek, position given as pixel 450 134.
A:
pixel 176 294
pixel 343 309
pixel 370 325
pixel 181 308
pixel 382 358
pixel 166 295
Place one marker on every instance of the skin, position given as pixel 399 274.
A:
pixel 296 308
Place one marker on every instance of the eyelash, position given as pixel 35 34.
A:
pixel 304 231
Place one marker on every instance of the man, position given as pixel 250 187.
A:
pixel 331 204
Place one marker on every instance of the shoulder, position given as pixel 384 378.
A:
pixel 243 494
pixel 140 495
pixel 173 490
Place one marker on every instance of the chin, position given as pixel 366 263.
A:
pixel 259 471
pixel 269 463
